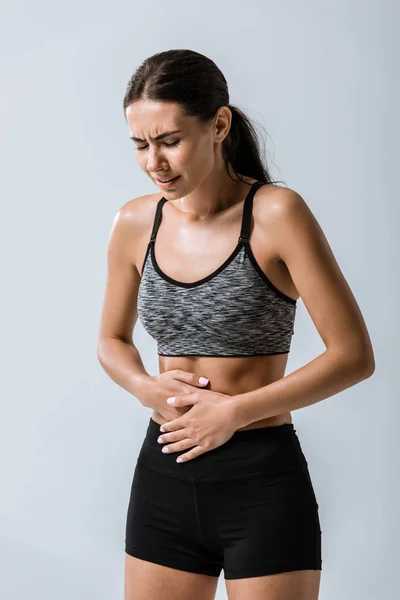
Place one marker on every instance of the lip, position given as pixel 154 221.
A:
pixel 169 184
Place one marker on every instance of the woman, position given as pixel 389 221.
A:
pixel 213 266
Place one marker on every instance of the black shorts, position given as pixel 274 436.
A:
pixel 247 507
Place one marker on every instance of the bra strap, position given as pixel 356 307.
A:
pixel 246 219
pixel 247 210
pixel 157 218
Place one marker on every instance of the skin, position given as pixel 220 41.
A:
pixel 200 226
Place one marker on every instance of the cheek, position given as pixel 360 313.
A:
pixel 141 158
pixel 199 156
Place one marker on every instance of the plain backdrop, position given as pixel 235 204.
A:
pixel 321 78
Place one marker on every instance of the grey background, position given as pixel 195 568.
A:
pixel 322 79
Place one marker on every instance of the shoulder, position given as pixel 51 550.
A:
pixel 278 201
pixel 132 222
pixel 286 216
pixel 281 206
pixel 136 215
pixel 138 210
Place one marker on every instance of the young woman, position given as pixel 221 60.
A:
pixel 213 265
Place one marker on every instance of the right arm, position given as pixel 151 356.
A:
pixel 116 351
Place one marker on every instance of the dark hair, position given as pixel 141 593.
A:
pixel 196 83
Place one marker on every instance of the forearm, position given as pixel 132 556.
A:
pixel 123 364
pixel 321 378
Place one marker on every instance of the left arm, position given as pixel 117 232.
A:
pixel 349 357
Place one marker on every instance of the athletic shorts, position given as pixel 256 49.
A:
pixel 247 507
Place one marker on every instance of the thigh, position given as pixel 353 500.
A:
pixel 144 579
pixel 162 534
pixel 294 585
pixel 278 554
pixel 264 524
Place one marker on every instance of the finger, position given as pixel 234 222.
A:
pixel 196 451
pixel 177 423
pixel 191 378
pixel 173 436
pixel 178 446
pixel 185 400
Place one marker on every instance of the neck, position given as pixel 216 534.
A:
pixel 214 195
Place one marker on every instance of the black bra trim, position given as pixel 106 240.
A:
pixel 264 277
pixel 145 258
pixel 247 211
pixel 274 352
pixel 191 284
pixel 248 250
pixel 242 242
pixel 157 218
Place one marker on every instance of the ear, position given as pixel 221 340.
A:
pixel 222 123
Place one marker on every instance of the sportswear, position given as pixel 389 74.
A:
pixel 234 311
pixel 248 507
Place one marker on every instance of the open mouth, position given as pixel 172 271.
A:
pixel 167 182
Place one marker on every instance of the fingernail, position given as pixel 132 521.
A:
pixel 203 380
pixel 162 429
pixel 171 400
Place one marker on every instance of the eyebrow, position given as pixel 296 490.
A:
pixel 158 137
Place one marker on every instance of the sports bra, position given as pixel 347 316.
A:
pixel 234 311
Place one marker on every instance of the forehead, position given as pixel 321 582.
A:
pixel 150 118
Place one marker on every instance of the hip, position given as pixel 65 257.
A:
pixel 264 451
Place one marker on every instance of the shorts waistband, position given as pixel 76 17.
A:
pixel 248 452
pixel 263 432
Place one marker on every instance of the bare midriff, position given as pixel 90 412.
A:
pixel 231 376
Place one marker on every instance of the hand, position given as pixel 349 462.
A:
pixel 157 388
pixel 208 424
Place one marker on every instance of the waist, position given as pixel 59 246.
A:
pixel 230 375
pixel 266 450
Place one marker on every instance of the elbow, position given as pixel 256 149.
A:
pixel 99 348
pixel 367 360
pixel 369 367
pixel 365 365
pixel 366 370
pixel 358 363
pixel 100 358
pixel 101 351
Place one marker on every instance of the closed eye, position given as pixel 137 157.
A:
pixel 165 144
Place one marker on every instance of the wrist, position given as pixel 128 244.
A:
pixel 237 412
pixel 140 387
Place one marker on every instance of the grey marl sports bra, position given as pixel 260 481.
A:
pixel 234 311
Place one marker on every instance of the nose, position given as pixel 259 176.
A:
pixel 154 161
